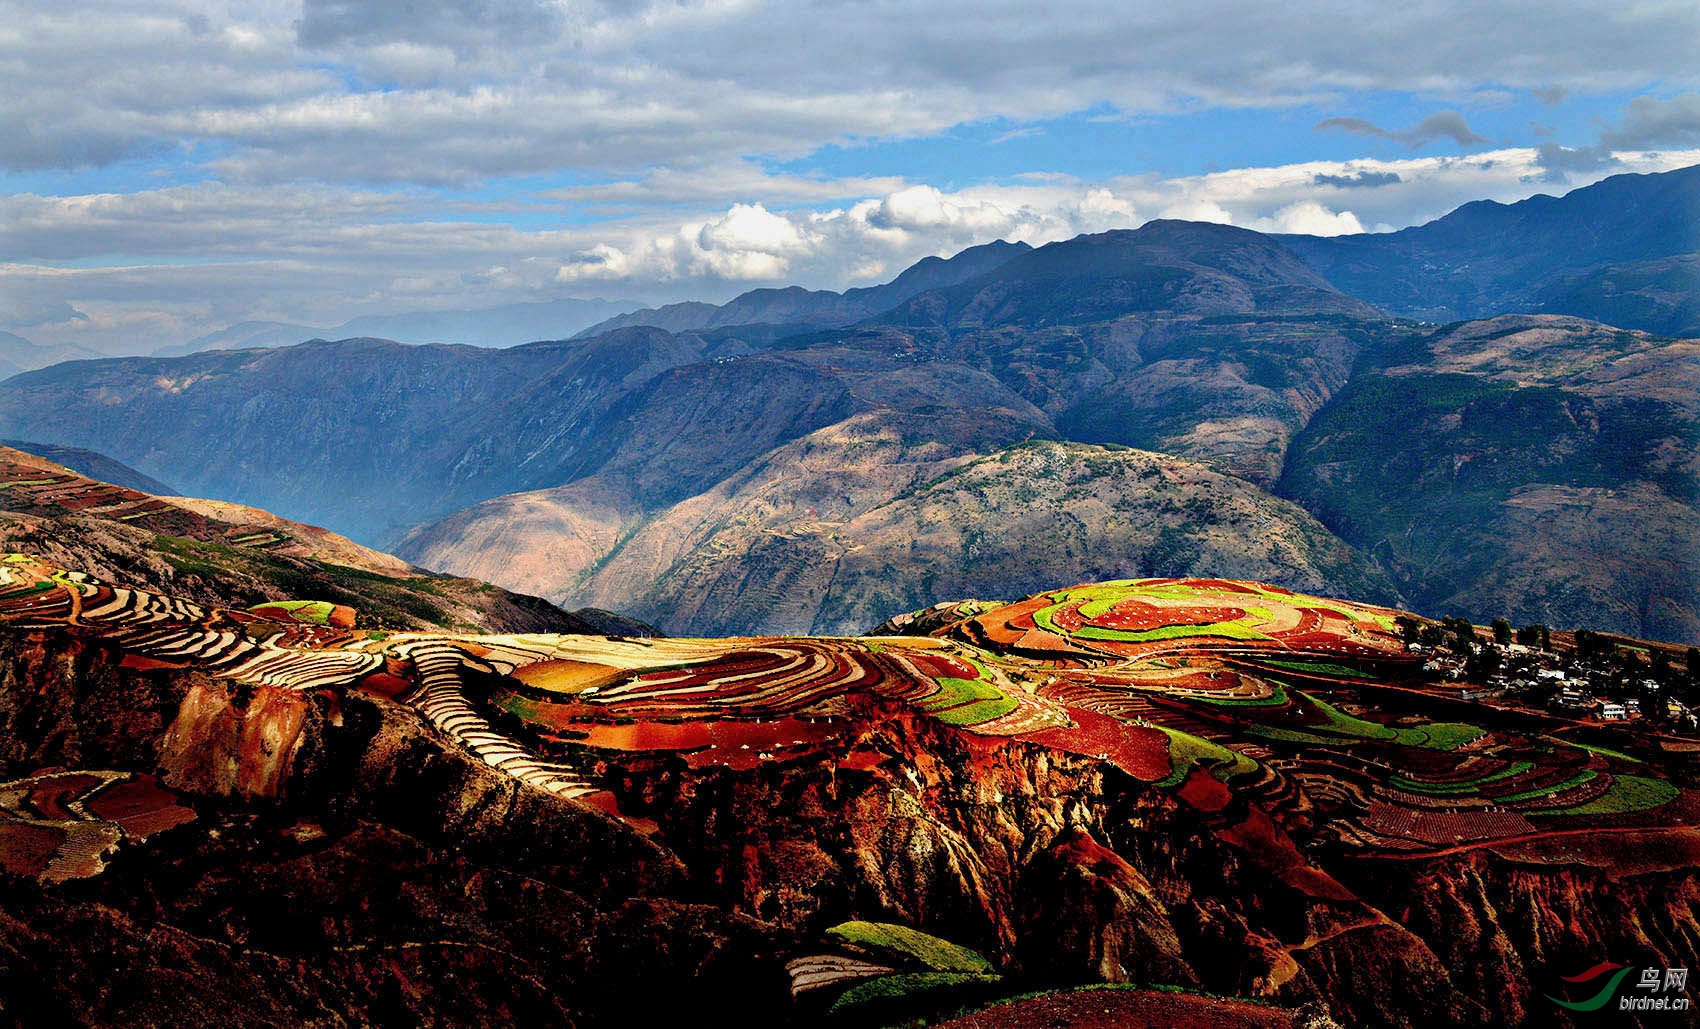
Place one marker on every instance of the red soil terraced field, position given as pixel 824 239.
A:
pixel 66 825
pixel 33 485
pixel 1179 705
pixel 1146 618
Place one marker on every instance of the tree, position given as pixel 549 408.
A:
pixel 1462 630
pixel 1410 628
pixel 1592 644
pixel 1501 631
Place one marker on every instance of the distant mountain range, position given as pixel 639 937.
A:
pixel 796 306
pixel 1178 399
pixel 505 326
pixel 1625 251
pixel 18 354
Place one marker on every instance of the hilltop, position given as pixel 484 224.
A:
pixel 854 522
pixel 216 552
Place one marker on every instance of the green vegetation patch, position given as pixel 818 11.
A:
pixel 903 985
pixel 1343 728
pixel 1607 752
pixel 1234 630
pixel 968 701
pixel 1327 668
pixel 1277 698
pixel 1580 779
pixel 1627 793
pixel 938 955
pixel 1186 750
pixel 1409 785
pixel 315 612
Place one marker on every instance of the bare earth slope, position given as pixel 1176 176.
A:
pixel 862 520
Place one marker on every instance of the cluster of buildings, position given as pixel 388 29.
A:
pixel 1562 683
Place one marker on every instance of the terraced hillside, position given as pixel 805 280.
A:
pixel 1211 783
pixel 218 552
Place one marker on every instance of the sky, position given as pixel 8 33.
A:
pixel 169 168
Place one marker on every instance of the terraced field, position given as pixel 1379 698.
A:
pixel 34 485
pixel 1229 694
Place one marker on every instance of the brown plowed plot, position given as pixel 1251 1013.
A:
pixel 567 676
pixel 1005 626
pixel 49 797
pixel 773 680
pixel 650 736
pixel 139 807
pixel 1068 618
pixel 943 666
pixel 1124 1009
pixel 28 849
pixel 1445 827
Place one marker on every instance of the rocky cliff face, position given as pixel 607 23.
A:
pixel 344 869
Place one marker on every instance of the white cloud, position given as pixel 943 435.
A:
pixel 157 267
pixel 452 91
pixel 1310 218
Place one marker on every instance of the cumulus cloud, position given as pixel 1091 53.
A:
pixel 1560 162
pixel 1649 122
pixel 206 256
pixel 436 91
pixel 1310 218
pixel 1440 125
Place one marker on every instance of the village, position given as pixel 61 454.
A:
pixel 1582 676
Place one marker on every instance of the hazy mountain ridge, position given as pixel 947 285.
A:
pixel 1535 465
pixel 815 309
pixel 18 354
pixel 1207 342
pixel 1487 258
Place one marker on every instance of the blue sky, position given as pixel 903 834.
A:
pixel 171 167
